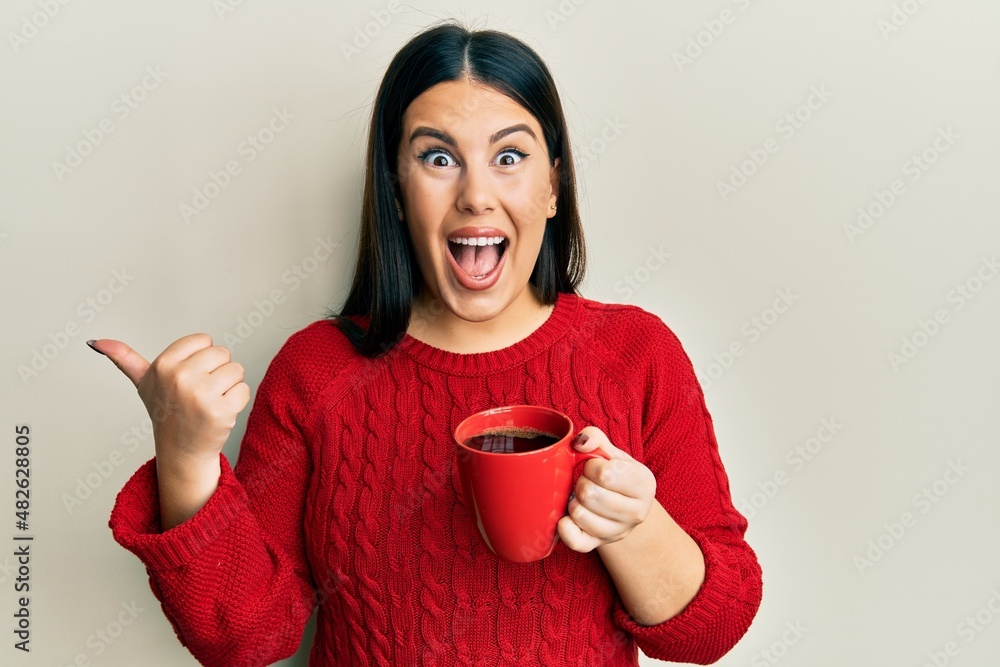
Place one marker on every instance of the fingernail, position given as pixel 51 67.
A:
pixel 91 344
pixel 580 439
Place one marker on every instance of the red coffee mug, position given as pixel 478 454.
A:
pixel 518 498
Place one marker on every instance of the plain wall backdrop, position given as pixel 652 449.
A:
pixel 805 192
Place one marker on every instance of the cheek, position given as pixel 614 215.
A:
pixel 422 245
pixel 424 201
pixel 428 196
pixel 530 198
pixel 419 234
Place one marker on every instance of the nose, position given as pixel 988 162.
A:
pixel 476 191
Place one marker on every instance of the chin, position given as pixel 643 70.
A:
pixel 476 307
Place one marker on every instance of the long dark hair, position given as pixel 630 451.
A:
pixel 387 276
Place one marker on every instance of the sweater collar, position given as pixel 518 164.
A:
pixel 482 363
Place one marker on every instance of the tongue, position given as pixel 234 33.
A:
pixel 476 260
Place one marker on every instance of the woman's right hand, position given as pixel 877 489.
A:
pixel 193 392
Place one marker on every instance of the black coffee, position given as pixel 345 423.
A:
pixel 511 440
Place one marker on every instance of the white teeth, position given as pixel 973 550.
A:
pixel 478 240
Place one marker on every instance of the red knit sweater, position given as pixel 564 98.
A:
pixel 345 497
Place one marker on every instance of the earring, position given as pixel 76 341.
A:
pixel 553 207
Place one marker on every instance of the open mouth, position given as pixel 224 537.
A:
pixel 477 257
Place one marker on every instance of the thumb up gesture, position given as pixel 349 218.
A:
pixel 193 392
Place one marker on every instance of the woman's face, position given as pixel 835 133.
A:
pixel 474 169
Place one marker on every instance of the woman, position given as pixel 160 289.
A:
pixel 345 495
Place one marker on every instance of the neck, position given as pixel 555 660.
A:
pixel 432 323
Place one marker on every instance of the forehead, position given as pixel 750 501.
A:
pixel 463 107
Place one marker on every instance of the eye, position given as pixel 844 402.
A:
pixel 434 151
pixel 505 157
pixel 510 150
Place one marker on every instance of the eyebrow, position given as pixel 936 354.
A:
pixel 424 131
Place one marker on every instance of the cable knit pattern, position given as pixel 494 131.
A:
pixel 346 499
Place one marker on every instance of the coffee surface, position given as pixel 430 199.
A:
pixel 511 440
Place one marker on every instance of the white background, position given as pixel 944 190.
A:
pixel 653 136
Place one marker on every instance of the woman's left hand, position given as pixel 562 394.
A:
pixel 611 497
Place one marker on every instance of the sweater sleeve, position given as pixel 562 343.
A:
pixel 679 447
pixel 233 580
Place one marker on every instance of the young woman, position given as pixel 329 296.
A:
pixel 345 496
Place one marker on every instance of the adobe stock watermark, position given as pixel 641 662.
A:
pixel 968 629
pixel 225 7
pixel 293 277
pixel 699 43
pixel 590 151
pixel 87 311
pixel 779 648
pixel 786 126
pixel 372 368
pixel 899 16
pixel 103 637
pixel 562 12
pixel 926 330
pixel 752 329
pixel 248 150
pixel 436 477
pixel 656 259
pixel 32 24
pixel 121 108
pixel 101 470
pixel 363 35
pixel 923 501
pixel 915 167
pixel 797 458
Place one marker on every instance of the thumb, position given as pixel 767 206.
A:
pixel 124 357
pixel 590 438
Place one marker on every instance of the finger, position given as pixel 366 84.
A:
pixel 124 357
pixel 225 377
pixel 625 476
pixel 574 537
pixel 186 347
pixel 593 524
pixel 209 359
pixel 238 396
pixel 590 438
pixel 606 503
